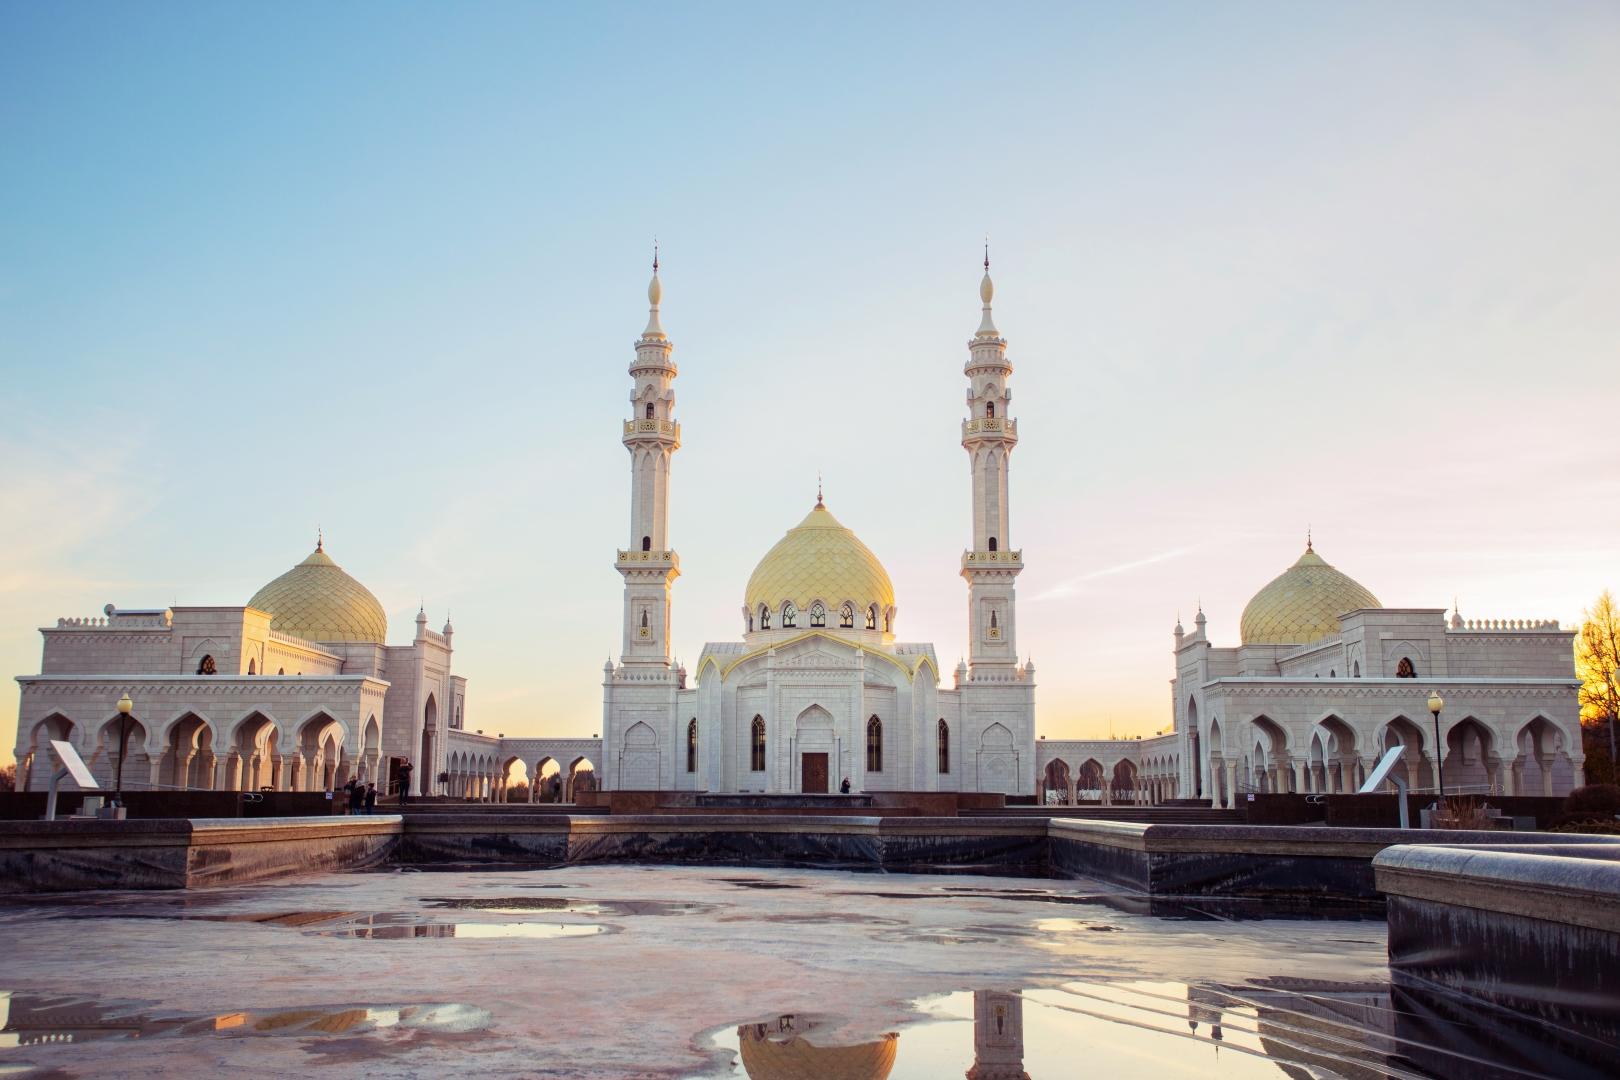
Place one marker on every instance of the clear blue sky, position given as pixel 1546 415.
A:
pixel 379 266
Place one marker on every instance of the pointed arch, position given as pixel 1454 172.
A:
pixel 942 737
pixel 846 616
pixel 756 745
pixel 874 744
pixel 691 745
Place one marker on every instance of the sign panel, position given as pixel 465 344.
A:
pixel 1381 773
pixel 74 764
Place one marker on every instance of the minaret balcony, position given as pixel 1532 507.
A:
pixel 990 427
pixel 635 430
pixel 648 560
pixel 992 560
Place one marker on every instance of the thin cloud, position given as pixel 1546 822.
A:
pixel 1074 584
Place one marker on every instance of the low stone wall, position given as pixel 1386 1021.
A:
pixel 1530 934
pixel 910 844
pixel 179 853
pixel 1242 860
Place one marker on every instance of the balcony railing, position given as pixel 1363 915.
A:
pixel 653 427
pixel 996 558
pixel 986 425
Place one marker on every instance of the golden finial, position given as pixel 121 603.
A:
pixel 1308 538
pixel 320 539
pixel 987 253
pixel 655 254
pixel 818 489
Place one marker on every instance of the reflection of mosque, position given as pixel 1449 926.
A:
pixel 785 1048
pixel 1343 1029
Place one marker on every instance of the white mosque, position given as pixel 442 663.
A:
pixel 818 689
pixel 298 689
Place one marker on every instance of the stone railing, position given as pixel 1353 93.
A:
pixel 1000 558
pixel 118 621
pixel 653 427
pixel 648 557
pixel 1507 624
pixel 985 424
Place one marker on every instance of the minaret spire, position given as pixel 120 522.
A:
pixel 655 294
pixel 989 435
pixel 651 436
pixel 987 290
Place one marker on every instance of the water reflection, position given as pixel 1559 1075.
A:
pixel 36 1020
pixel 1291 1027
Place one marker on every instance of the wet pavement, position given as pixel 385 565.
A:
pixel 624 971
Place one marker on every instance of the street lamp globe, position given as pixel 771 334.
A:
pixel 125 706
pixel 1435 704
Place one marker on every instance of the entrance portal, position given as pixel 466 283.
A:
pixel 813 774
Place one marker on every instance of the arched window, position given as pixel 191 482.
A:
pixel 1333 673
pixel 756 755
pixel 750 622
pixel 874 745
pixel 990 409
pixel 871 617
pixel 649 410
pixel 1405 669
pixel 944 746
pixel 691 746
pixel 993 623
pixel 1355 670
pixel 644 618
pixel 790 615
pixel 764 617
pixel 251 669
pixel 281 671
pixel 818 614
pixel 846 616
pixel 646 543
pixel 207 666
pixel 992 543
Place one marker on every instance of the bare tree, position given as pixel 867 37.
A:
pixel 1597 663
pixel 8 778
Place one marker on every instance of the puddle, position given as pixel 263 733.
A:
pixel 1135 1029
pixel 35 1020
pixel 760 883
pixel 400 927
pixel 518 905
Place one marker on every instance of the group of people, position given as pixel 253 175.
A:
pixel 362 797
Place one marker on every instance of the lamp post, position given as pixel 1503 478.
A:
pixel 1435 705
pixel 125 707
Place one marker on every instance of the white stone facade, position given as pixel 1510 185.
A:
pixel 224 702
pixel 1316 717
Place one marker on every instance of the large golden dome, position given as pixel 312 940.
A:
pixel 317 601
pixel 1303 604
pixel 819 559
pixel 770 1054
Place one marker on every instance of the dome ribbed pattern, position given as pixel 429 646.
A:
pixel 793 1058
pixel 1303 604
pixel 819 559
pixel 317 601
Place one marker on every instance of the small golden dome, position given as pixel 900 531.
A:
pixel 1303 604
pixel 317 601
pixel 765 1057
pixel 819 559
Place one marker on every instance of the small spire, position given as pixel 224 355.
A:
pixel 655 294
pixel 1308 539
pixel 320 539
pixel 987 290
pixel 818 489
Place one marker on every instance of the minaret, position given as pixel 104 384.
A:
pixel 992 564
pixel 652 436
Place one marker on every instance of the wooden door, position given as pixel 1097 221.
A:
pixel 813 773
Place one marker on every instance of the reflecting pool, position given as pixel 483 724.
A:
pixel 669 972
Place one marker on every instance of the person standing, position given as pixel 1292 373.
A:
pixel 349 789
pixel 405 771
pixel 371 798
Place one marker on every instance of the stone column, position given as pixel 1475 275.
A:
pixel 1578 764
pixel 1231 785
pixel 1298 777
